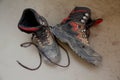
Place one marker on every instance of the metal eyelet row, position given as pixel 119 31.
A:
pixel 84 33
pixel 84 18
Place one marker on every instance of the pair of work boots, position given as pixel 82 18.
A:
pixel 73 30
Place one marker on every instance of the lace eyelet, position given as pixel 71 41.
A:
pixel 84 17
pixel 84 30
pixel 82 21
pixel 86 14
pixel 84 36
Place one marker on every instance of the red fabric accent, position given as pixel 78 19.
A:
pixel 98 21
pixel 28 29
pixel 74 25
pixel 79 11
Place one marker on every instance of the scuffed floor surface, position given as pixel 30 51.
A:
pixel 105 39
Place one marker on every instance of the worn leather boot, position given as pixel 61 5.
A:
pixel 74 30
pixel 32 23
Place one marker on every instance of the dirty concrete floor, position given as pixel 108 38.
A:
pixel 105 39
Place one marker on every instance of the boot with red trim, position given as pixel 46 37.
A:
pixel 32 23
pixel 74 30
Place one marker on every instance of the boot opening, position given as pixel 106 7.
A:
pixel 28 19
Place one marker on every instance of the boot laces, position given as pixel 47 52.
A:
pixel 40 38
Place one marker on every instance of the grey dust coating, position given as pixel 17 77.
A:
pixel 82 50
